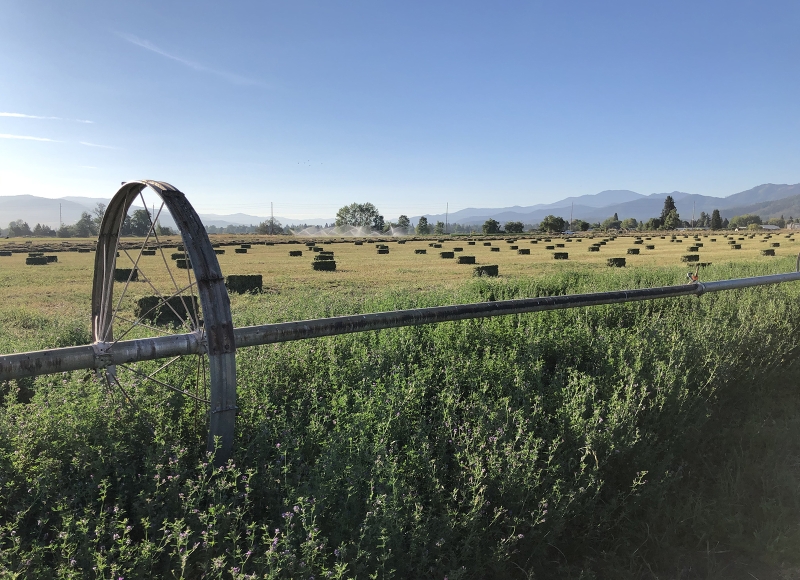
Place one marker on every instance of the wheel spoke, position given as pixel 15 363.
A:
pixel 162 300
pixel 163 384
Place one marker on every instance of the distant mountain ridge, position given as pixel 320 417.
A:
pixel 598 207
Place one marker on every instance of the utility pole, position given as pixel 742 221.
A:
pixel 693 206
pixel 446 215
pixel 271 218
pixel 572 207
pixel 60 221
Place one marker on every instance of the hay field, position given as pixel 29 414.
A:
pixel 64 288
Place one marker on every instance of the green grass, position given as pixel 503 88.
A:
pixel 614 441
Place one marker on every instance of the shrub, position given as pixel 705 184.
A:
pixel 616 262
pixel 295 253
pixel 690 258
pixel 244 283
pixel 240 250
pixel 37 261
pixel 122 274
pixel 491 271
pixel 316 248
pixel 466 260
pixel 420 251
pixel 437 245
pixel 560 256
pixel 633 251
pixel 328 266
pixel 269 243
pixel 534 241
pixel 523 251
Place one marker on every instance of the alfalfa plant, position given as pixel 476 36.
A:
pixel 244 283
pixel 616 262
pixel 465 260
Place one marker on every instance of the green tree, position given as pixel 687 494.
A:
pixel 269 227
pixel 778 221
pixel 139 223
pixel 363 215
pixel 629 223
pixel 552 223
pixel 579 225
pixel 491 226
pixel 85 227
pixel 716 220
pixel 404 223
pixel 669 206
pixel 652 224
pixel 438 229
pixel 514 227
pixel 423 228
pixel 672 220
pixel 611 223
pixel 19 228
pixel 43 231
pixel 742 221
pixel 99 211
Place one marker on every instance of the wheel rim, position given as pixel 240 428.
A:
pixel 166 299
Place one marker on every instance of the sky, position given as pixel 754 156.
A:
pixel 408 105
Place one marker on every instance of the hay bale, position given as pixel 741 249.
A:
pixel 616 262
pixel 36 261
pixel 775 245
pixel 466 260
pixel 694 249
pixel 559 245
pixel 458 249
pixel 560 255
pixel 84 250
pixel 534 241
pixel 633 251
pixel 769 252
pixel 181 255
pixel 124 274
pixel 240 250
pixel 148 252
pixel 219 252
pixel 328 266
pixel 638 241
pixel 690 258
pixel 437 245
pixel 269 243
pixel 183 264
pixel 649 247
pixel 594 248
pixel 524 251
pixel 358 243
pixel 51 259
pixel 401 241
pixel 513 248
pixel 172 311
pixel 421 251
pixel 245 246
pixel 736 247
pixel 295 253
pixel 494 249
pixel 383 250
pixel 5 253
pixel 487 243
pixel 491 271
pixel 323 258
pixel 244 283
pixel 470 243
pixel 35 254
pixel 316 248
pixel 549 247
pixel 446 254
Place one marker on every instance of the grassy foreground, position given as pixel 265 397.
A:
pixel 582 443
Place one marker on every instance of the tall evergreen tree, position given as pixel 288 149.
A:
pixel 669 206
pixel 716 220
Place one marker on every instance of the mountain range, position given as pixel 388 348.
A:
pixel 767 200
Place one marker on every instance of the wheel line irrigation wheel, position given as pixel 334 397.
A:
pixel 176 293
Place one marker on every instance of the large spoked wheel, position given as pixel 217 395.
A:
pixel 156 274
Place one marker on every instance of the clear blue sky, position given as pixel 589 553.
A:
pixel 408 105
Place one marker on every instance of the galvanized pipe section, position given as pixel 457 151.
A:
pixel 14 366
pixel 286 331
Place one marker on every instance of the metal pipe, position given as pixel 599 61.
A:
pixel 99 355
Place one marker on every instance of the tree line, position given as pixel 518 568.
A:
pixel 88 225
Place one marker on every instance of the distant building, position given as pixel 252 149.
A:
pixel 769 227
